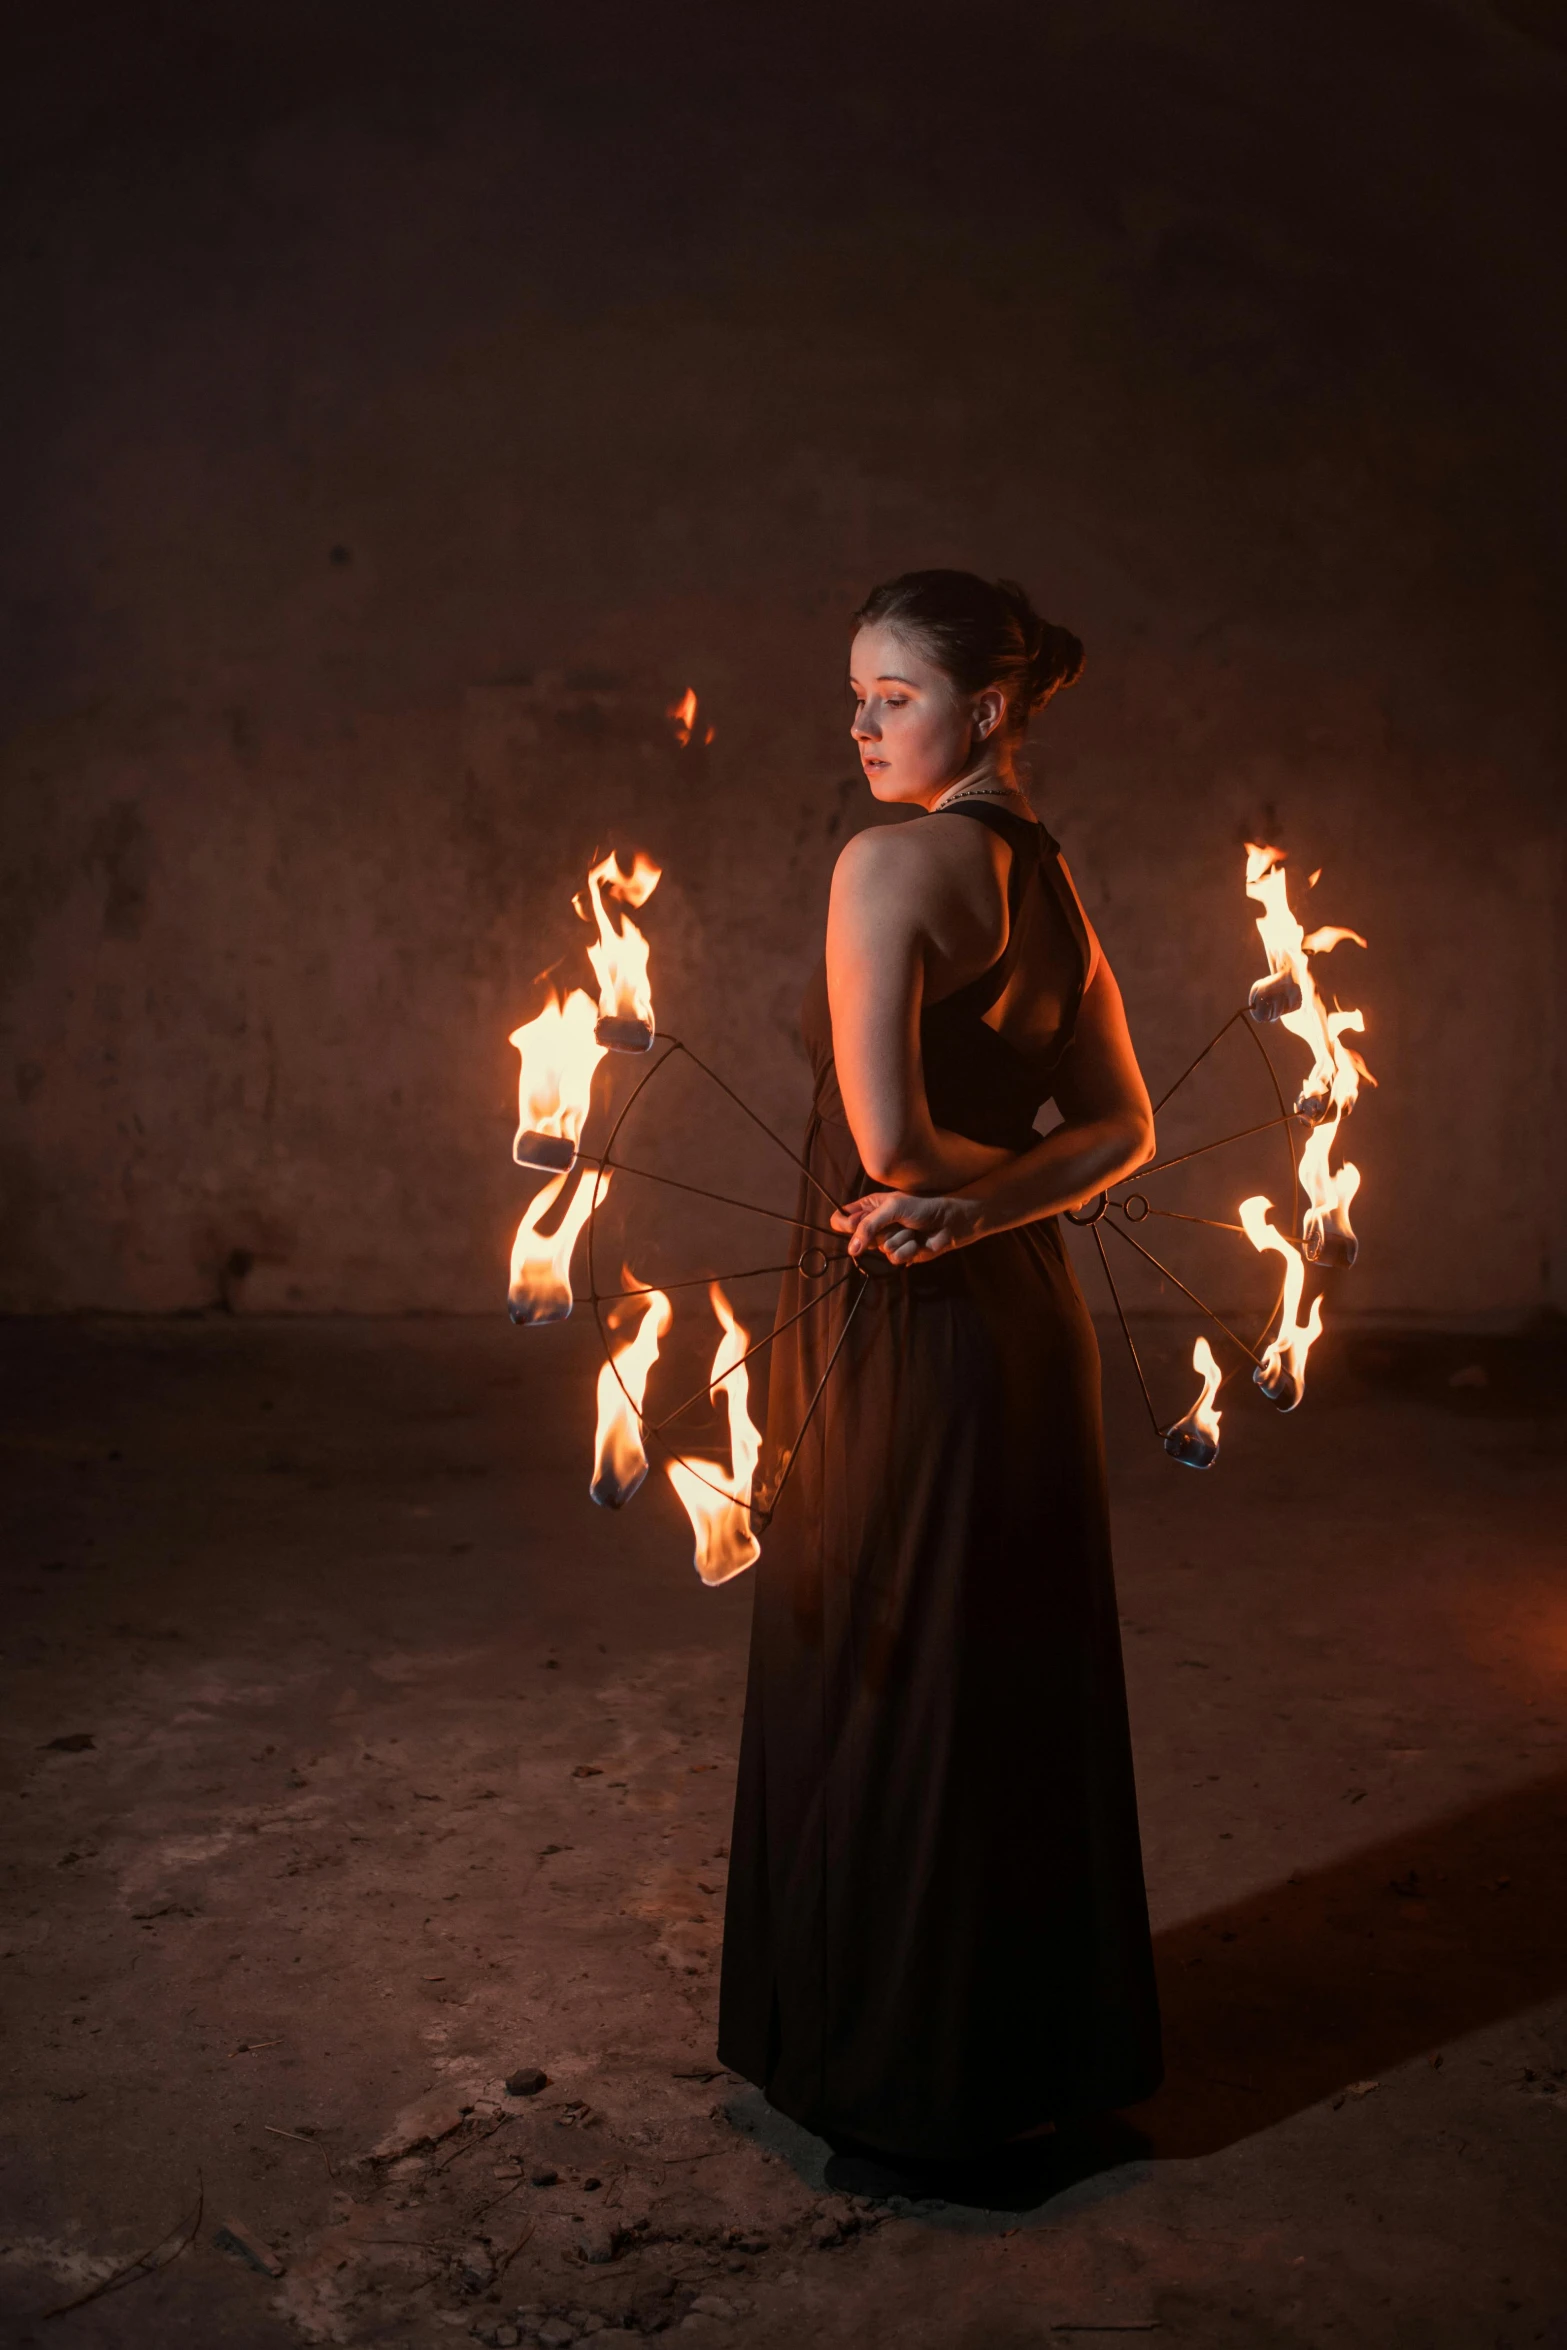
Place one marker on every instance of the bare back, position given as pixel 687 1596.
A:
pixel 964 892
pixel 965 926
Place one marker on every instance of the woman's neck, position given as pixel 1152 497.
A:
pixel 986 779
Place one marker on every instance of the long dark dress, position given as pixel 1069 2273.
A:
pixel 936 1933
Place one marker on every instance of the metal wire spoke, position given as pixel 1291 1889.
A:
pixel 1150 1258
pixel 657 1427
pixel 1174 1216
pixel 607 1164
pixel 1287 1119
pixel 725 1199
pixel 1179 1160
pixel 810 1409
pixel 1131 1344
pixel 1201 1057
pixel 611 1165
pixel 754 1510
pixel 789 1153
pixel 598 1301
pixel 701 1280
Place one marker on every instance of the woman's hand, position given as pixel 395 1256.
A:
pixel 907 1227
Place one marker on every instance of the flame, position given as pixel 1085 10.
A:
pixel 555 1080
pixel 683 713
pixel 1282 1372
pixel 1194 1439
pixel 1332 1087
pixel 619 1459
pixel 541 1264
pixel 725 1544
pixel 1326 1234
pixel 1331 935
pixel 619 956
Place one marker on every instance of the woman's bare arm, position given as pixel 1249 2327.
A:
pixel 1106 1133
pixel 888 906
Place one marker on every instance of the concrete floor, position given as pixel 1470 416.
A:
pixel 353 1760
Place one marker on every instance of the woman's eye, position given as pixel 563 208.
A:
pixel 896 701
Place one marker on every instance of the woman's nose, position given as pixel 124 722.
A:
pixel 863 729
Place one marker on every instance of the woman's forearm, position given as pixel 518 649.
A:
pixel 940 1162
pixel 1064 1168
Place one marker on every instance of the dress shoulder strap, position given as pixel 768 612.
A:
pixel 1025 839
pixel 1066 898
pixel 1034 850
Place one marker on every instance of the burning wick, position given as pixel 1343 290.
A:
pixel 1281 1374
pixel 619 1459
pixel 1271 998
pixel 540 1288
pixel 549 1154
pixel 1194 1439
pixel 619 957
pixel 1326 1234
pixel 1332 1087
pixel 624 1036
pixel 558 1053
pixel 720 1520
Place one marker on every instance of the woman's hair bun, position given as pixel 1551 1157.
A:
pixel 1059 661
pixel 1053 656
pixel 981 632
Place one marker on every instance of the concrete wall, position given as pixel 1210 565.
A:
pixel 415 405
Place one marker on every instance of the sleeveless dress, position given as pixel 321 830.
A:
pixel 936 1934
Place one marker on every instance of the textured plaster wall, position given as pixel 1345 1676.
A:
pixel 413 406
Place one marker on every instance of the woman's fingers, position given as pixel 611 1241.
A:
pixel 846 1219
pixel 907 1228
pixel 904 1229
pixel 879 1210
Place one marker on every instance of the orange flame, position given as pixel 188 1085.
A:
pixel 1326 1234
pixel 683 713
pixel 1331 1089
pixel 619 955
pixel 619 1458
pixel 725 1544
pixel 1194 1439
pixel 555 1080
pixel 1282 1372
pixel 541 1263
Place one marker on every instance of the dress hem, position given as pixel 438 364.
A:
pixel 955 2145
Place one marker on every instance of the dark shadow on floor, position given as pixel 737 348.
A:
pixel 1337 1975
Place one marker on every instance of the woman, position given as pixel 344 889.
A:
pixel 936 1940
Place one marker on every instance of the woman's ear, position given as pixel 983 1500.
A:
pixel 990 708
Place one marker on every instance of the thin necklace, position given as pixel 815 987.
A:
pixel 977 791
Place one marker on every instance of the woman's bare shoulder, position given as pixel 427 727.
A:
pixel 921 851
pixel 882 857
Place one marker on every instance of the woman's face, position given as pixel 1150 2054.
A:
pixel 914 731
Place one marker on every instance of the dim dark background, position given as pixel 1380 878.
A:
pixel 404 406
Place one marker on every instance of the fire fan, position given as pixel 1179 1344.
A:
pixel 561 1051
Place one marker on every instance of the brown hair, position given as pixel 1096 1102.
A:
pixel 981 632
